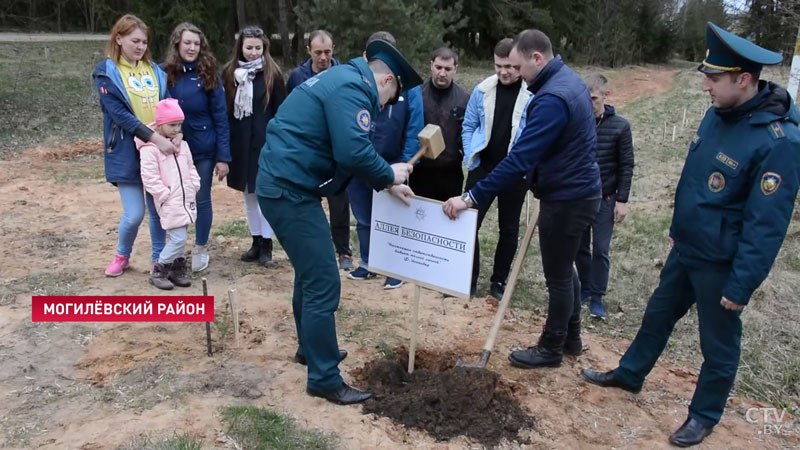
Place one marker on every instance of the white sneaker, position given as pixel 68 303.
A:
pixel 199 258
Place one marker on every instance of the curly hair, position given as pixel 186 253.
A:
pixel 272 71
pixel 206 61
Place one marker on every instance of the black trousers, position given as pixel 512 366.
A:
pixel 561 228
pixel 437 183
pixel 339 213
pixel 509 208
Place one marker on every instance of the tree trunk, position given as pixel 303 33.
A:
pixel 240 18
pixel 286 46
pixel 299 35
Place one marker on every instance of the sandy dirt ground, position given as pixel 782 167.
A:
pixel 94 386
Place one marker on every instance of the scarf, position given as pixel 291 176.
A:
pixel 243 77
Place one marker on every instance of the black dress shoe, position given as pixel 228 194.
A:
pixel 535 357
pixel 301 359
pixel 690 433
pixel 343 395
pixel 607 379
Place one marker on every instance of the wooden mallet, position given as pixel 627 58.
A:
pixel 431 143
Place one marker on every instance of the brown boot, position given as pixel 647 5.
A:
pixel 158 276
pixel 177 273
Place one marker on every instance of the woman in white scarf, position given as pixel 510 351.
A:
pixel 254 88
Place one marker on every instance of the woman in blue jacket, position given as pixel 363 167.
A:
pixel 192 79
pixel 129 86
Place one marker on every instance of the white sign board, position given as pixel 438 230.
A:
pixel 420 244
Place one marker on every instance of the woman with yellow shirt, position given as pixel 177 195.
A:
pixel 130 85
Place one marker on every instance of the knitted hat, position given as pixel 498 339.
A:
pixel 168 111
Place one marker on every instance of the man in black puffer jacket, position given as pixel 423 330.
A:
pixel 615 158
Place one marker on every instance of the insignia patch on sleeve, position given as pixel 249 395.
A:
pixel 716 182
pixel 363 119
pixel 770 182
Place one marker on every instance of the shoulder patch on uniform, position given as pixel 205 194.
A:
pixel 312 81
pixel 363 119
pixel 367 81
pixel 770 182
pixel 727 160
pixel 776 130
pixel 716 182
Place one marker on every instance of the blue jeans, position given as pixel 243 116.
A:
pixel 205 214
pixel 132 196
pixel 176 247
pixel 361 203
pixel 593 263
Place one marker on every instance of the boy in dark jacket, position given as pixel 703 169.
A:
pixel 615 158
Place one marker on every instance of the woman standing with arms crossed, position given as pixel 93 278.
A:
pixel 192 79
pixel 129 85
pixel 254 88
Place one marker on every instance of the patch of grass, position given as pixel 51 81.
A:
pixel 182 441
pixel 58 283
pixel 256 428
pixel 84 168
pixel 58 76
pixel 233 228
pixel 361 322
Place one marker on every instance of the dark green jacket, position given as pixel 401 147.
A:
pixel 321 134
pixel 735 197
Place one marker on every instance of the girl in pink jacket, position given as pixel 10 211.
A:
pixel 173 182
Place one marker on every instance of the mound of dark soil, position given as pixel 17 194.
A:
pixel 446 403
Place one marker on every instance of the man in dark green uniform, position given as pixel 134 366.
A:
pixel 319 139
pixel 733 205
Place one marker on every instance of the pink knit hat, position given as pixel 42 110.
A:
pixel 168 111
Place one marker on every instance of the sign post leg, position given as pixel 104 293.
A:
pixel 414 319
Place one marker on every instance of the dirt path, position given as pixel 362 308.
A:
pixel 98 385
pixel 51 37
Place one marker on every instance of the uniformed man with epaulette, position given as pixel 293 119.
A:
pixel 733 205
pixel 319 139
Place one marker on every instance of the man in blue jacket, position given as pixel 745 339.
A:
pixel 733 205
pixel 320 49
pixel 556 152
pixel 395 138
pixel 319 139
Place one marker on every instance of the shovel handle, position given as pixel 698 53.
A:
pixel 512 282
pixel 418 155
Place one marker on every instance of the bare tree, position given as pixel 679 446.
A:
pixel 283 27
pixel 240 17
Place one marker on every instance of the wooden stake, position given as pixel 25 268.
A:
pixel 683 122
pixel 208 324
pixel 664 136
pixel 673 132
pixel 234 314
pixel 414 318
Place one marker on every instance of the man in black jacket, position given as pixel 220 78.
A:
pixel 615 158
pixel 444 104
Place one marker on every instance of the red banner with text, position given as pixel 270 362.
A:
pixel 188 308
